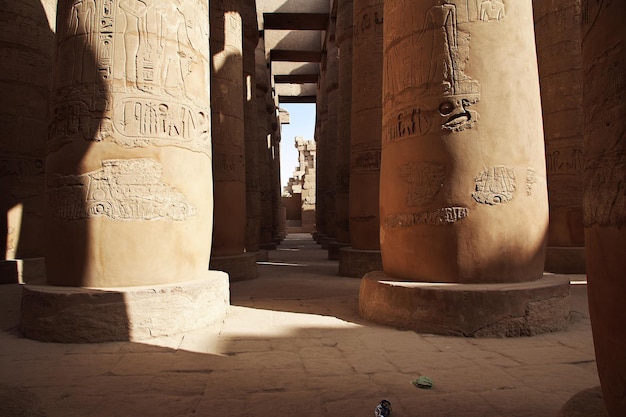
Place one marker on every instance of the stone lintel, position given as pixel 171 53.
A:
pixel 92 315
pixel 355 263
pixel 239 267
pixel 474 310
pixel 565 260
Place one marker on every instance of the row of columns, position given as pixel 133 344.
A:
pixel 155 168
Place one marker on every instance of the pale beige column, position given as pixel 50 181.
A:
pixel 253 191
pixel 604 201
pixel 463 195
pixel 229 168
pixel 128 176
pixel 27 39
pixel 367 78
pixel 344 110
pixel 557 31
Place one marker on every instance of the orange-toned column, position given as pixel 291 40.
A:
pixel 344 113
pixel 229 170
pixel 128 176
pixel 604 86
pixel 463 195
pixel 25 76
pixel 557 30
pixel 367 79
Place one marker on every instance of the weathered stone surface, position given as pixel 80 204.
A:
pixel 333 249
pixel 238 267
pixel 477 310
pixel 20 271
pixel 463 186
pixel 128 167
pixel 88 315
pixel 358 262
pixel 586 403
pixel 604 200
pixel 565 260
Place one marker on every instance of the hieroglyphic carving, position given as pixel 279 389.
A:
pixel 229 167
pixel 123 189
pixel 365 160
pixel 495 185
pixel 531 179
pixel 441 217
pixel 424 180
pixel 566 160
pixel 17 166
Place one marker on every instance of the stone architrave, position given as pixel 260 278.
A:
pixel 26 67
pixel 557 31
pixel 332 98
pixel 128 173
pixel 229 168
pixel 604 201
pixel 364 255
pixel 342 192
pixel 253 192
pixel 463 196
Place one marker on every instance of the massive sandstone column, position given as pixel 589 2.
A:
pixel 253 192
pixel 463 195
pixel 322 175
pixel 342 192
pixel 557 30
pixel 25 75
pixel 604 203
pixel 229 168
pixel 367 78
pixel 330 140
pixel 128 176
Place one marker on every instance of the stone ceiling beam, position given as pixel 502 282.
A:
pixel 296 79
pixel 295 56
pixel 295 21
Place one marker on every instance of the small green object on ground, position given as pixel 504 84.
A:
pixel 423 382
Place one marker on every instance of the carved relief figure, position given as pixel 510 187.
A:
pixel 123 189
pixel 135 37
pixel 495 185
pixel 424 180
pixel 491 10
pixel 82 26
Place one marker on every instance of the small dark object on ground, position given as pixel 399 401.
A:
pixel 383 409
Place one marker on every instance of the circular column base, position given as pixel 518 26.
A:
pixel 586 403
pixel 90 315
pixel 475 310
pixel 355 263
pixel 565 260
pixel 333 249
pixel 239 267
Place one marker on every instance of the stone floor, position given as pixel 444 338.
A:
pixel 294 345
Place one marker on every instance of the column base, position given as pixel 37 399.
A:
pixel 19 271
pixel 239 267
pixel 473 310
pixel 319 237
pixel 262 255
pixel 586 403
pixel 333 249
pixel 92 315
pixel 355 263
pixel 565 260
pixel 268 246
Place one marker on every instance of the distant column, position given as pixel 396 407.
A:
pixel 253 191
pixel 25 81
pixel 229 168
pixel 367 79
pixel 463 196
pixel 128 176
pixel 604 200
pixel 332 97
pixel 321 123
pixel 557 30
pixel 342 192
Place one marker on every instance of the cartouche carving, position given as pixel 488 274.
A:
pixel 495 185
pixel 441 217
pixel 123 189
pixel 424 180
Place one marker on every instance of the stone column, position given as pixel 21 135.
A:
pixel 331 84
pixel 25 77
pixel 342 192
pixel 253 191
pixel 321 123
pixel 264 127
pixel 229 168
pixel 367 79
pixel 278 210
pixel 604 201
pixel 557 30
pixel 128 176
pixel 463 196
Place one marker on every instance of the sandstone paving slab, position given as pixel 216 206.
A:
pixel 368 362
pixel 466 404
pixel 272 404
pixel 354 407
pixel 548 355
pixel 338 387
pixel 260 361
pixel 551 378
pixel 471 379
pixel 294 344
pixel 524 402
pixel 396 383
pixel 429 360
pixel 324 361
pixel 482 357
